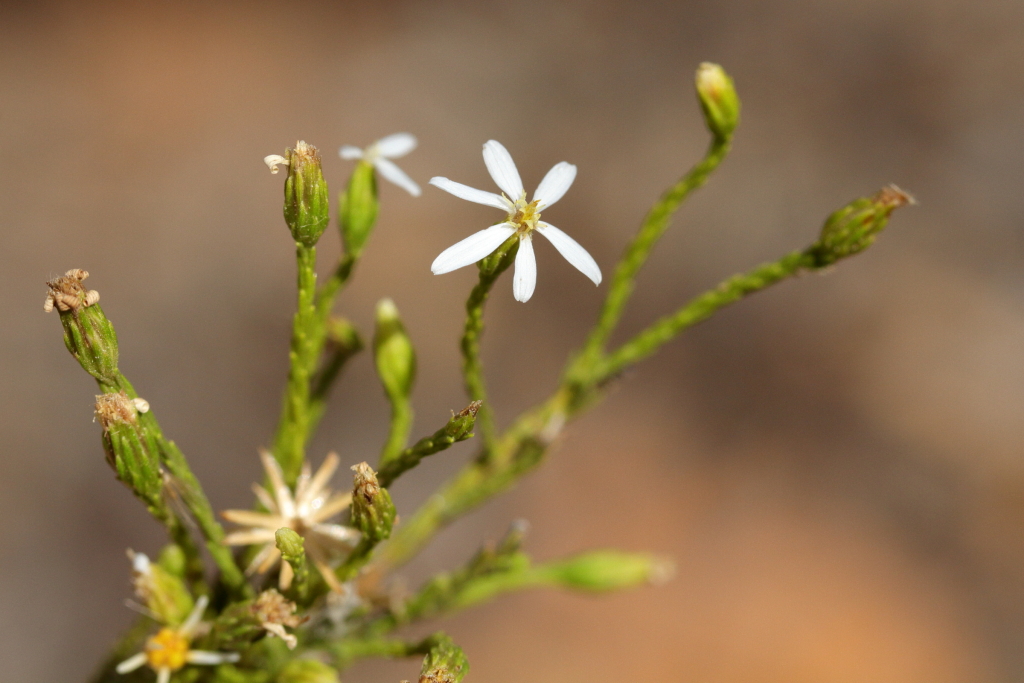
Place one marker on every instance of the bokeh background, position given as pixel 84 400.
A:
pixel 836 466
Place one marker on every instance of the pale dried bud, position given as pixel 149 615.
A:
pixel 141 405
pixel 114 409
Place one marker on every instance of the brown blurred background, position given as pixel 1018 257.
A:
pixel 836 466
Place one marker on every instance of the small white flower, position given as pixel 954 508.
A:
pixel 380 153
pixel 169 650
pixel 305 512
pixel 523 220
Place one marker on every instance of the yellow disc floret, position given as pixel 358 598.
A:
pixel 526 216
pixel 167 650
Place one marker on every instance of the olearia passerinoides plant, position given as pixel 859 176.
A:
pixel 302 585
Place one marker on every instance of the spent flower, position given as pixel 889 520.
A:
pixel 305 511
pixel 523 220
pixel 170 649
pixel 380 154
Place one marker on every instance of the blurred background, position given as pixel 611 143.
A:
pixel 836 466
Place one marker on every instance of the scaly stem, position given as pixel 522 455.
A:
pixel 472 369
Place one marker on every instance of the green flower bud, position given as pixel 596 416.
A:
pixel 607 570
pixel 88 334
pixel 445 663
pixel 393 353
pixel 293 551
pixel 163 593
pixel 357 209
pixel 306 200
pixel 307 671
pixel 853 228
pixel 373 513
pixel 718 99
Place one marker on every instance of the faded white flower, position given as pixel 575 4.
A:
pixel 169 650
pixel 305 513
pixel 523 220
pixel 380 154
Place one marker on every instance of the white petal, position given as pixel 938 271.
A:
pixel 272 161
pixel 471 194
pixel 389 170
pixel 571 250
pixel 251 537
pixel 132 663
pixel 472 249
pixel 282 493
pixel 207 657
pixel 323 475
pixel 350 152
pixel 192 620
pixel 337 532
pixel 163 675
pixel 397 145
pixel 503 169
pixel 525 279
pixel 555 184
pixel 251 518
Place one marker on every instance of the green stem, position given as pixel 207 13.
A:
pixel 701 308
pixel 307 339
pixel 472 368
pixel 347 651
pixel 651 230
pixel 398 431
pixel 459 428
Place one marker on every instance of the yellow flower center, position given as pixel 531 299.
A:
pixel 167 650
pixel 526 216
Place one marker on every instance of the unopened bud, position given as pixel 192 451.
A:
pixel 393 353
pixel 307 671
pixel 373 513
pixel 306 200
pixel 854 227
pixel 718 99
pixel 445 663
pixel 607 570
pixel 460 427
pixel 88 334
pixel 357 208
pixel 163 593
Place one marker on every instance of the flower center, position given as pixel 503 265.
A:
pixel 167 650
pixel 526 216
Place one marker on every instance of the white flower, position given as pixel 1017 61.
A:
pixel 305 513
pixel 380 153
pixel 169 650
pixel 523 219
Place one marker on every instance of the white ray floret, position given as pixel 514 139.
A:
pixel 523 220
pixel 380 154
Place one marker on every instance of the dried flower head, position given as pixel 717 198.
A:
pixel 305 511
pixel 274 612
pixel 68 294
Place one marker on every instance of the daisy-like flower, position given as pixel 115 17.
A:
pixel 169 650
pixel 305 512
pixel 523 220
pixel 380 154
